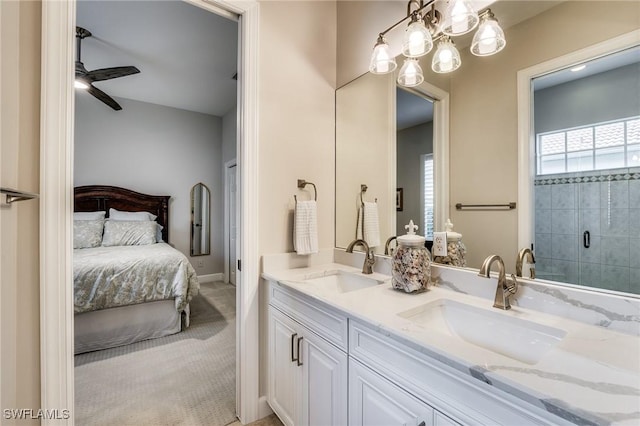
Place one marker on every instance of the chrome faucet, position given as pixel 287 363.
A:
pixel 505 287
pixel 530 259
pixel 386 245
pixel 369 257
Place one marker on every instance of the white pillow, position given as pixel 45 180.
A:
pixel 129 233
pixel 130 216
pixel 87 233
pixel 89 215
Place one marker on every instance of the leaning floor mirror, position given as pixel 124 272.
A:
pixel 200 207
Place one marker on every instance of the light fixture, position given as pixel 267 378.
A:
pixel 382 61
pixel 461 18
pixel 426 28
pixel 489 38
pixel 410 74
pixel 447 58
pixel 79 84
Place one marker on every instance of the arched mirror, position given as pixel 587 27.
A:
pixel 200 223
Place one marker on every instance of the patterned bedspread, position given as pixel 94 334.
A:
pixel 106 277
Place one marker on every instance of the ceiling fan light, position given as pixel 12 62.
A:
pixel 417 40
pixel 447 58
pixel 382 61
pixel 79 84
pixel 489 39
pixel 460 18
pixel 410 74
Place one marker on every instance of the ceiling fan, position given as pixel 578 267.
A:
pixel 84 78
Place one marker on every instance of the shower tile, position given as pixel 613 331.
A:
pixel 542 196
pixel 543 221
pixel 634 223
pixel 614 251
pixel 563 221
pixel 614 222
pixel 563 196
pixel 589 221
pixel 634 194
pixel 542 246
pixel 566 271
pixel 591 254
pixel 544 268
pixel 614 194
pixel 590 274
pixel 615 277
pixel 564 247
pixel 634 280
pixel 589 195
pixel 634 252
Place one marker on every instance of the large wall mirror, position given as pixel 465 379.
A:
pixel 200 220
pixel 486 156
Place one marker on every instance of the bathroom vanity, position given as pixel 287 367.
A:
pixel 345 348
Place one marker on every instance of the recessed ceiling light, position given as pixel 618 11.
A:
pixel 578 68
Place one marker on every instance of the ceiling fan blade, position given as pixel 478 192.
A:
pixel 94 91
pixel 113 72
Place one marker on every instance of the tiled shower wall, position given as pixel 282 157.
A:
pixel 607 204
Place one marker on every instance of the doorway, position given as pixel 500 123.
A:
pixel 231 221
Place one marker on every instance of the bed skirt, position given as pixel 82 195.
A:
pixel 124 325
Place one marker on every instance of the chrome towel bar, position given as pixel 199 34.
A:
pixel 509 206
pixel 14 195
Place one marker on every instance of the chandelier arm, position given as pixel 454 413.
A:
pixel 427 4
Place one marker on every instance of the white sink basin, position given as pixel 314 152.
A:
pixel 520 339
pixel 344 282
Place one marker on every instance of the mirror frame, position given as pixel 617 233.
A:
pixel 208 220
pixel 526 136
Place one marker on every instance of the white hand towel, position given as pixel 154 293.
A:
pixel 369 214
pixel 439 243
pixel 305 227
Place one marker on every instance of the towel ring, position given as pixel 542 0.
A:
pixel 302 183
pixel 363 189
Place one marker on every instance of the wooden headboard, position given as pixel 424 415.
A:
pixel 101 198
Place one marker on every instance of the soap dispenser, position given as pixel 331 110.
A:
pixel 411 271
pixel 448 248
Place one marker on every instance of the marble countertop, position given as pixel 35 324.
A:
pixel 592 376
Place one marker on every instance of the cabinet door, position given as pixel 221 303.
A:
pixel 375 401
pixel 284 376
pixel 324 382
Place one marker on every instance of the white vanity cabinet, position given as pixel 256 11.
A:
pixel 308 375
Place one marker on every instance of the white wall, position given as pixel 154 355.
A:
pixel 229 136
pixel 156 150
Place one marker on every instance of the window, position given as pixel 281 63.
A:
pixel 427 194
pixel 608 145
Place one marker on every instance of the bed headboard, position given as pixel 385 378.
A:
pixel 101 198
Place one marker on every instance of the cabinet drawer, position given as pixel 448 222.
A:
pixel 441 386
pixel 320 318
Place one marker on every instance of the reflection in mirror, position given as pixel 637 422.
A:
pixel 587 181
pixel 414 161
pixel 200 206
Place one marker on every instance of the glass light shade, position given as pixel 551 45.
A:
pixel 382 61
pixel 410 74
pixel 489 39
pixel 447 58
pixel 460 18
pixel 79 84
pixel 417 40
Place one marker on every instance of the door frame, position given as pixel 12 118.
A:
pixel 56 200
pixel 227 217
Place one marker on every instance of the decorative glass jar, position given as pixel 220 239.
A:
pixel 411 271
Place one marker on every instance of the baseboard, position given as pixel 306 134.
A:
pixel 211 277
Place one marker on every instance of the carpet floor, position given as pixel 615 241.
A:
pixel 184 379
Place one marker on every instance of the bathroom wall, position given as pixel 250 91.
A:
pixel 19 224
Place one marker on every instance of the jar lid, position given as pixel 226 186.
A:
pixel 411 239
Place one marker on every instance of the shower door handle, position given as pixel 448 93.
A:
pixel 586 239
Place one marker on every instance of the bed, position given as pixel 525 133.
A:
pixel 129 283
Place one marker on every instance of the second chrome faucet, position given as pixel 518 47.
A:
pixel 505 287
pixel 369 256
